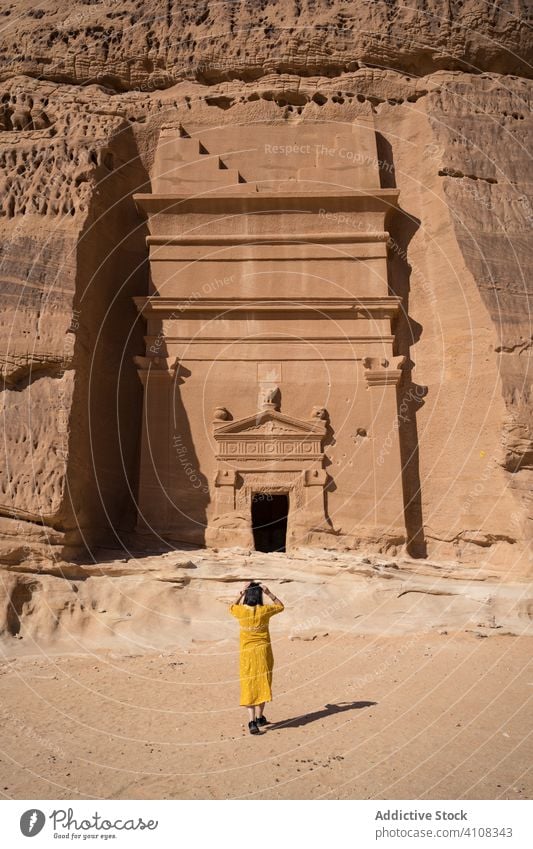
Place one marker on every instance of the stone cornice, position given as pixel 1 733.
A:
pixel 377 200
pixel 248 239
pixel 386 306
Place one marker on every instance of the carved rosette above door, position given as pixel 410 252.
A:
pixel 272 453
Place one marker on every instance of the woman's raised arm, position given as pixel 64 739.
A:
pixel 271 596
pixel 242 593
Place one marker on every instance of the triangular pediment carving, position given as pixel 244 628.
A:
pixel 271 422
pixel 269 427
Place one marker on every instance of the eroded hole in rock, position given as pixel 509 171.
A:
pixel 222 102
pixel 21 594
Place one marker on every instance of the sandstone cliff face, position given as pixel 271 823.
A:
pixel 129 45
pixel 64 331
pixel 485 135
pixel 80 121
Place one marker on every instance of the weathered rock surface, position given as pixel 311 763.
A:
pixel 80 122
pixel 129 45
pixel 159 602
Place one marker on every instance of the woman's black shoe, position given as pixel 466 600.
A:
pixel 262 720
pixel 252 726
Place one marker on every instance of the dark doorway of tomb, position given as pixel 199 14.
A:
pixel 269 521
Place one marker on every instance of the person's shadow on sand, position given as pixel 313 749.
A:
pixel 327 710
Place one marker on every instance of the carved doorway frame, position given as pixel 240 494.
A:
pixel 273 453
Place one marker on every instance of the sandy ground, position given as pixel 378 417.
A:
pixel 417 716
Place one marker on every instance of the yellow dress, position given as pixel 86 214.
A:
pixel 256 658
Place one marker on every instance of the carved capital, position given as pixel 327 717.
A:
pixel 144 363
pixel 315 477
pixel 151 368
pixel 383 371
pixel 226 477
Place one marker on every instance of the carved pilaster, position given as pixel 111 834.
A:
pixel 155 466
pixel 225 484
pixel 382 374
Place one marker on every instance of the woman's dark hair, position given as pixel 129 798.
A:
pixel 254 594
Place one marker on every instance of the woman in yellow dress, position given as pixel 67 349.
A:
pixel 256 658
